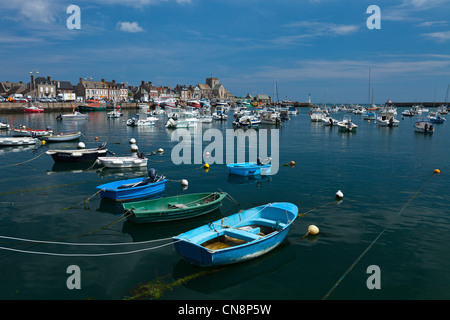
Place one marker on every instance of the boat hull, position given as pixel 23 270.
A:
pixel 258 231
pixel 248 169
pixel 123 162
pixel 83 155
pixel 173 208
pixel 11 141
pixel 62 137
pixel 113 192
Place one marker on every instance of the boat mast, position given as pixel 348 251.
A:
pixel 369 90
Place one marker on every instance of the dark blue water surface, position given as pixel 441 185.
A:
pixel 394 215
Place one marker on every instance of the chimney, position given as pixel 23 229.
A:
pixel 103 80
pixel 49 79
pixel 114 81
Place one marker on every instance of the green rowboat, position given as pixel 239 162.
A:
pixel 173 208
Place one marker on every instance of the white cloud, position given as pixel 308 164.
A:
pixel 132 27
pixel 440 36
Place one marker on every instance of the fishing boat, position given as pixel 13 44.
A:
pixel 78 155
pixel 270 118
pixel 33 109
pixel 408 113
pixel 61 137
pixel 132 189
pixel 250 168
pixel 436 118
pixel 219 114
pixel 247 121
pixel 136 121
pixel 240 237
pixel 329 121
pixel 16 132
pixel 16 141
pixel 173 208
pixel 4 126
pixel 188 123
pixel 92 105
pixel 124 162
pixel 346 125
pixel 369 115
pixel 75 115
pixel 317 114
pixel 387 119
pixel 116 113
pixel 423 126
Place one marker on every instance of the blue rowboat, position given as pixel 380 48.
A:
pixel 249 168
pixel 132 189
pixel 239 237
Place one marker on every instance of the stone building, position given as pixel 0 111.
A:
pixel 101 90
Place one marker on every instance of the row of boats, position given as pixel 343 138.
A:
pixel 383 117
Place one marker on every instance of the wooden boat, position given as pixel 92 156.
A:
pixel 76 115
pixel 77 155
pixel 61 137
pixel 17 141
pixel 123 162
pixel 132 189
pixel 173 208
pixel 423 126
pixel 30 132
pixel 239 237
pixel 249 168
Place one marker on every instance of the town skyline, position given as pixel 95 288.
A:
pixel 320 47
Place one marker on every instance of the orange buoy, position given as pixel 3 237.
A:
pixel 437 171
pixel 96 138
pixel 292 163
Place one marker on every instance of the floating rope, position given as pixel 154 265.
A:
pixel 84 254
pixel 18 164
pixel 374 241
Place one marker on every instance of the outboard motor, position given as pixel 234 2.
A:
pixel 258 161
pixel 152 174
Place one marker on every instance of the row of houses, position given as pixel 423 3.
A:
pixel 41 87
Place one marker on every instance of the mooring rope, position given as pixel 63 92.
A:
pixel 374 241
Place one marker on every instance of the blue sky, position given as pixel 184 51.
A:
pixel 322 47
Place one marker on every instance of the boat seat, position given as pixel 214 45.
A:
pixel 241 234
pixel 269 223
pixel 176 206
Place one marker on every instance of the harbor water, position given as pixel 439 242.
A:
pixel 394 216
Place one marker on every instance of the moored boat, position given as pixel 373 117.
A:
pixel 16 132
pixel 423 126
pixel 347 125
pixel 75 115
pixel 78 155
pixel 33 109
pixel 249 168
pixel 17 141
pixel 242 236
pixel 61 137
pixel 132 189
pixel 92 105
pixel 124 162
pixel 173 208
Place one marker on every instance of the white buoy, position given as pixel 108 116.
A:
pixel 312 229
pixel 339 195
pixel 132 141
pixel 81 145
pixel 134 148
pixel 160 150
pixel 184 182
